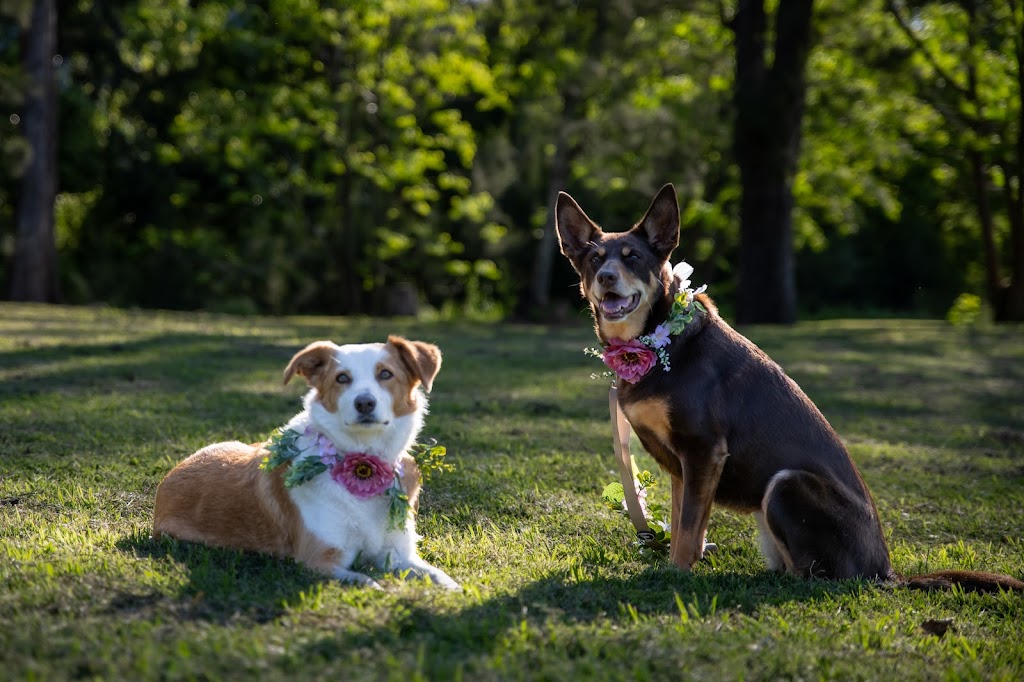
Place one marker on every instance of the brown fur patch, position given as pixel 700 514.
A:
pixel 651 414
pixel 422 360
pixel 317 364
pixel 402 385
pixel 411 480
pixel 328 390
pixel 221 497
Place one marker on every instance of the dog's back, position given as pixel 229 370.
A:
pixel 768 421
pixel 221 497
pixel 722 386
pixel 334 485
pixel 721 417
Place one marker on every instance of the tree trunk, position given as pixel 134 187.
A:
pixel 1009 304
pixel 34 269
pixel 1012 303
pixel 767 137
pixel 558 177
pixel 349 238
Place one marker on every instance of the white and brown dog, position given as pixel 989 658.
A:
pixel 366 405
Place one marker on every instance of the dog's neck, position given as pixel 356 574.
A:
pixel 389 443
pixel 700 318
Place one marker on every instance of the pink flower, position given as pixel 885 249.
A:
pixel 631 360
pixel 363 475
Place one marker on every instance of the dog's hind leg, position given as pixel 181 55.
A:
pixel 770 547
pixel 820 528
pixel 701 473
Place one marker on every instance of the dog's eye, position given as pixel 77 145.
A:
pixel 343 378
pixel 595 258
pixel 632 255
pixel 385 374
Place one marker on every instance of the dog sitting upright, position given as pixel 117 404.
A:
pixel 721 418
pixel 335 483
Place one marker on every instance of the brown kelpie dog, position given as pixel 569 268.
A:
pixel 722 418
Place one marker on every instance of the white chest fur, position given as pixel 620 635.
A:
pixel 357 526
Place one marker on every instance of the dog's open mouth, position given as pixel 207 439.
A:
pixel 614 307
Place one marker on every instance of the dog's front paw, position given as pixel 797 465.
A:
pixel 443 579
pixel 356 578
pixel 436 575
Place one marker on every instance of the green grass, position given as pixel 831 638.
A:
pixel 96 405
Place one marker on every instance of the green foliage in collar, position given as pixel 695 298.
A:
pixel 684 309
pixel 283 448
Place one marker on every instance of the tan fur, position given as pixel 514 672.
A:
pixel 316 364
pixel 411 479
pixel 423 360
pixel 782 460
pixel 651 414
pixel 221 497
pixel 403 387
pixel 632 326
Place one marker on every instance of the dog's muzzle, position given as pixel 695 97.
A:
pixel 614 306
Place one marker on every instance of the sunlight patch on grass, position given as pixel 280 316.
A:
pixel 98 404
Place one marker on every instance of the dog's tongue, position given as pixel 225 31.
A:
pixel 613 303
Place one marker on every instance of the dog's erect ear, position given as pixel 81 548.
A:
pixel 423 360
pixel 660 225
pixel 575 229
pixel 311 361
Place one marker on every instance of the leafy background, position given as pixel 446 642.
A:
pixel 293 156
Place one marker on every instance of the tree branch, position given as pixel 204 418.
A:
pixel 922 48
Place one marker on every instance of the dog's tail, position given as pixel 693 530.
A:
pixel 969 581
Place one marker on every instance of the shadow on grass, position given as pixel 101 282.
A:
pixel 450 639
pixel 172 359
pixel 223 584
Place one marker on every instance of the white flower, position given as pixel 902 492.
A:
pixel 681 274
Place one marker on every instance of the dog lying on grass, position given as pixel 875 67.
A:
pixel 335 483
pixel 722 418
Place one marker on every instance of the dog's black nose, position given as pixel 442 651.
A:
pixel 607 279
pixel 366 404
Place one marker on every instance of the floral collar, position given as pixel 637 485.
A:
pixel 362 474
pixel 632 360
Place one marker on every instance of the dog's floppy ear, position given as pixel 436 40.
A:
pixel 423 360
pixel 310 361
pixel 660 225
pixel 575 229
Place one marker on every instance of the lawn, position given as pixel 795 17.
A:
pixel 96 405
